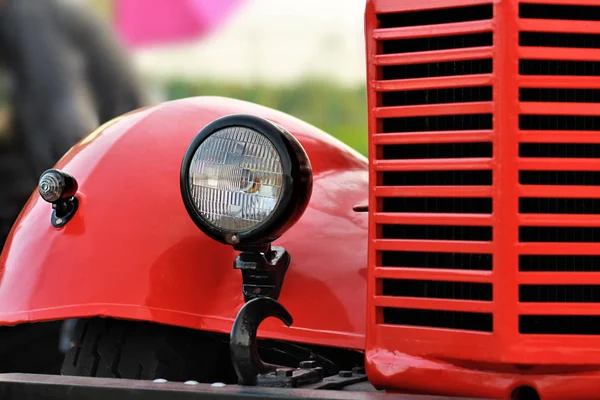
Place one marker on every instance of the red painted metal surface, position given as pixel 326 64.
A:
pixel 132 251
pixel 505 349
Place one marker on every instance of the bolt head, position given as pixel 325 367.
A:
pixel 345 374
pixel 308 364
pixel 359 370
pixel 284 372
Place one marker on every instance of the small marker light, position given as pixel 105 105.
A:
pixel 55 185
pixel 59 188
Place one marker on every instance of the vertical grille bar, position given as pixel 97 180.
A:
pixel 505 201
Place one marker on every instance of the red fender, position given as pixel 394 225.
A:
pixel 132 252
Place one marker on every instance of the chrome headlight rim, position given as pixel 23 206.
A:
pixel 296 182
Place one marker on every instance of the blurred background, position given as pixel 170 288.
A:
pixel 67 66
pixel 303 57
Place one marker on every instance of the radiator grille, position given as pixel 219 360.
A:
pixel 434 82
pixel 484 205
pixel 558 168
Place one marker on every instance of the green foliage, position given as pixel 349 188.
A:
pixel 340 111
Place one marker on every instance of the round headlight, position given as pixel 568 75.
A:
pixel 245 180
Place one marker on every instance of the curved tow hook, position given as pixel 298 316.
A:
pixel 242 344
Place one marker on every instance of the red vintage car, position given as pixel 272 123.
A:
pixel 461 259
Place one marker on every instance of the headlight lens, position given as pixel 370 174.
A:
pixel 236 179
pixel 245 180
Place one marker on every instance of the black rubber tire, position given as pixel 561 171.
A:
pixel 141 350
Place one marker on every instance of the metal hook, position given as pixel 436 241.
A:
pixel 243 345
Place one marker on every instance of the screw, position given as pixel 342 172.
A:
pixel 308 364
pixel 218 385
pixel 191 383
pixel 358 370
pixel 160 380
pixel 284 372
pixel 233 238
pixel 345 374
pixel 59 220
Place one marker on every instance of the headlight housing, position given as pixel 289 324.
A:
pixel 245 180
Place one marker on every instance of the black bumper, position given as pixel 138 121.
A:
pixel 55 387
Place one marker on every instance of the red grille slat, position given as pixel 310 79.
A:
pixel 559 220
pixel 387 6
pixel 434 219
pixel 557 108
pixel 430 338
pixel 433 191
pixel 593 3
pixel 441 82
pixel 473 53
pixel 558 164
pixel 559 278
pixel 558 191
pixel 550 53
pixel 433 109
pixel 433 137
pixel 563 26
pixel 559 137
pixel 558 309
pixel 459 164
pixel 560 82
pixel 433 245
pixel 433 30
pixel 433 274
pixel 559 248
pixel 435 304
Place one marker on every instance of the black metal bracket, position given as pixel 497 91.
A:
pixel 242 344
pixel 262 272
pixel 290 377
pixel 342 379
pixel 63 211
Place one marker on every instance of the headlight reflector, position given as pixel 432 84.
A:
pixel 236 179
